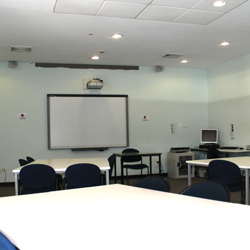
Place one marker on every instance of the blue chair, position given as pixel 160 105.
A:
pixel 154 183
pixel 30 159
pixel 22 162
pixel 135 162
pixel 5 244
pixel 82 175
pixel 228 173
pixel 37 178
pixel 213 190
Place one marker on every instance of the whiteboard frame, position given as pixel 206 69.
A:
pixel 84 147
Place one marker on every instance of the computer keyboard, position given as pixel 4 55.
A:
pixel 229 148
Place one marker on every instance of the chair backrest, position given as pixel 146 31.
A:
pixel 112 161
pixel 30 159
pixel 83 175
pixel 224 171
pixel 212 152
pixel 154 183
pixel 22 162
pixel 37 176
pixel 131 158
pixel 213 190
pixel 5 244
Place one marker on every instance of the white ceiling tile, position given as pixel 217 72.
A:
pixel 132 1
pixel 161 13
pixel 177 3
pixel 198 17
pixel 86 7
pixel 121 9
pixel 208 5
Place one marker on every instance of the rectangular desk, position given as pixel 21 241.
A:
pixel 226 151
pixel 81 219
pixel 60 166
pixel 150 155
pixel 242 162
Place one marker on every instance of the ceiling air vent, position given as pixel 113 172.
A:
pixel 21 48
pixel 172 55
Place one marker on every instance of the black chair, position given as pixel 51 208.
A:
pixel 37 178
pixel 112 161
pixel 213 190
pixel 154 183
pixel 212 152
pixel 135 162
pixel 22 162
pixel 30 159
pixel 5 243
pixel 228 173
pixel 82 175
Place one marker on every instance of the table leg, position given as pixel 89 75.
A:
pixel 115 171
pixel 247 186
pixel 122 182
pixel 189 174
pixel 107 177
pixel 16 183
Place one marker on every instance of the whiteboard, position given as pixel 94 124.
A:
pixel 87 121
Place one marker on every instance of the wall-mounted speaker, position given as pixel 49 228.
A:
pixel 158 68
pixel 12 64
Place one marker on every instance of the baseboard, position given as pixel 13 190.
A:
pixel 7 184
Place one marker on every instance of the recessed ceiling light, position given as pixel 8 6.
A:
pixel 95 57
pixel 184 61
pixel 116 36
pixel 219 3
pixel 224 43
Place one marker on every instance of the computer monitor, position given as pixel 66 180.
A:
pixel 209 136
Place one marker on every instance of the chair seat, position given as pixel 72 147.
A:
pixel 234 187
pixel 136 166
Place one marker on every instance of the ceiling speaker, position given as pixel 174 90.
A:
pixel 12 64
pixel 158 68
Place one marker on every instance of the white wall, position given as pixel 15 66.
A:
pixel 229 101
pixel 172 96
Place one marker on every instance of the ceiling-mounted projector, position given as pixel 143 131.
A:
pixel 95 83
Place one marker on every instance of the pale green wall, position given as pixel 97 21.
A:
pixel 229 101
pixel 171 96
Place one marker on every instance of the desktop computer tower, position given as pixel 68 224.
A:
pixel 177 166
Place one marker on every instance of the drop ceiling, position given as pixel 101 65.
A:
pixel 72 31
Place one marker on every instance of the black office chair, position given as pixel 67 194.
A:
pixel 5 243
pixel 82 175
pixel 37 178
pixel 228 173
pixel 213 190
pixel 112 161
pixel 136 162
pixel 22 162
pixel 154 183
pixel 212 152
pixel 30 159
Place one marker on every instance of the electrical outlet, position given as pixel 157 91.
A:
pixel 3 169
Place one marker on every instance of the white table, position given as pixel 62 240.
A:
pixel 60 166
pixel 243 163
pixel 85 219
pixel 234 151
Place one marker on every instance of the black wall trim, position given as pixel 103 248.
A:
pixel 85 66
